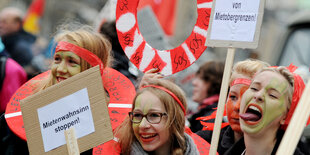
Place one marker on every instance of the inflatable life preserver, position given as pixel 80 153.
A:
pixel 119 87
pixel 144 57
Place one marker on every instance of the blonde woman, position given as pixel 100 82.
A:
pixel 266 109
pixel 76 50
pixel 243 72
pixel 157 122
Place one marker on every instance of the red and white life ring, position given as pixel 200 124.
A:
pixel 120 89
pixel 144 57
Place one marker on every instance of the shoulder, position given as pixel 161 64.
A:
pixel 191 148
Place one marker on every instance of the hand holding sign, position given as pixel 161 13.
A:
pixel 76 102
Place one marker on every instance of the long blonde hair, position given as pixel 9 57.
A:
pixel 175 122
pixel 86 38
pixel 247 68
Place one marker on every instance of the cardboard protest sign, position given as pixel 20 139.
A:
pixel 235 23
pixel 143 56
pixel 78 102
pixel 119 87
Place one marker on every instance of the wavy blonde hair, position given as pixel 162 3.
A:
pixel 87 38
pixel 175 122
pixel 248 68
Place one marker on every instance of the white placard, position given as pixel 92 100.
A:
pixel 70 111
pixel 235 20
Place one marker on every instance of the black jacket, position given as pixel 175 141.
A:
pixel 19 46
pixel 226 139
pixel 239 146
pixel 195 125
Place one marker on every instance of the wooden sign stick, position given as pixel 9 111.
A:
pixel 296 125
pixel 222 100
pixel 72 146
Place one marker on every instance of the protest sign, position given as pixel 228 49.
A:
pixel 119 87
pixel 235 23
pixel 78 102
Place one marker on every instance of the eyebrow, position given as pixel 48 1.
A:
pixel 255 82
pixel 274 90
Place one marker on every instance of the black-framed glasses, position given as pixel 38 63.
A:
pixel 153 117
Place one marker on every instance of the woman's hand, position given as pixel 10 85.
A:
pixel 150 74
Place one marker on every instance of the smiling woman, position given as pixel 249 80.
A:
pixel 266 109
pixel 156 124
pixel 77 50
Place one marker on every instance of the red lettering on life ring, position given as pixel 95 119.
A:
pixel 144 57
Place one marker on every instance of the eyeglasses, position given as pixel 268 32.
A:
pixel 153 118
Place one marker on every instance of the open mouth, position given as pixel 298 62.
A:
pixel 59 79
pixel 252 115
pixel 147 137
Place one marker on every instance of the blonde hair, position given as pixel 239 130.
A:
pixel 175 122
pixel 289 78
pixel 87 38
pixel 247 68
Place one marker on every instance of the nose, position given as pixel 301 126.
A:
pixel 144 123
pixel 237 105
pixel 194 82
pixel 62 68
pixel 258 96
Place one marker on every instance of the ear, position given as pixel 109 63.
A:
pixel 282 121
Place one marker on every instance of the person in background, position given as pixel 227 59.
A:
pixel 156 124
pixel 240 80
pixel 266 109
pixel 12 76
pixel 17 42
pixel 73 49
pixel 120 62
pixel 206 90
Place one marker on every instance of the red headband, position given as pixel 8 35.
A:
pixel 241 81
pixel 299 86
pixel 170 93
pixel 88 56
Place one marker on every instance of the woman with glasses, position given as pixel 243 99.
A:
pixel 156 124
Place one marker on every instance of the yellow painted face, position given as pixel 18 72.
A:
pixel 152 137
pixel 264 104
pixel 65 65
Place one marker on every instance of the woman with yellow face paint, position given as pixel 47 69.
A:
pixel 156 124
pixel 266 109
pixel 76 50
pixel 240 80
